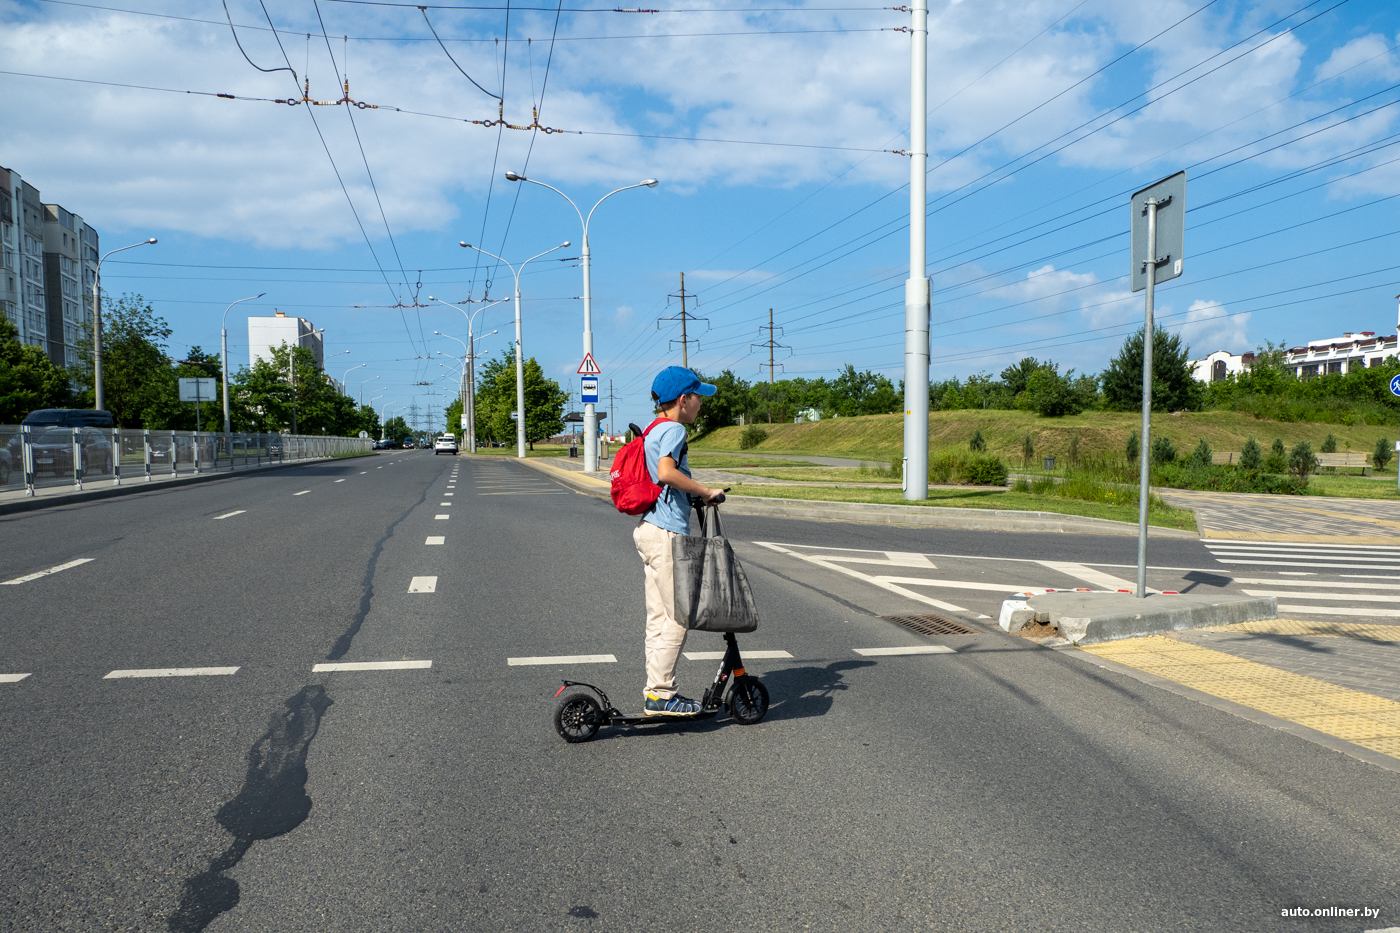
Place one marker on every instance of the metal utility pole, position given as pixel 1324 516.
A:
pixel 916 288
pixel 223 348
pixel 611 401
pixel 771 344
pixel 1158 239
pixel 97 322
pixel 685 340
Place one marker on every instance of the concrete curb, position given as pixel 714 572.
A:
pixel 939 517
pixel 140 485
pixel 1089 617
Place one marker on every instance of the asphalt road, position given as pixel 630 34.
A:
pixel 999 787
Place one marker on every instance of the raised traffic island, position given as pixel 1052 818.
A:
pixel 1085 617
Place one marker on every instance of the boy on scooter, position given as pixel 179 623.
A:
pixel 678 394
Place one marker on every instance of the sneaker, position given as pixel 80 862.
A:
pixel 675 706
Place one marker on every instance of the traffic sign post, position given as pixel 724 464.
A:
pixel 198 390
pixel 1158 242
pixel 1395 390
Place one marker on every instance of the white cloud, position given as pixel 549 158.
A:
pixel 1364 58
pixel 622 316
pixel 1209 327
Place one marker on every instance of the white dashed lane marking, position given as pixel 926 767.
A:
pixel 12 678
pixel 340 480
pixel 913 649
pixel 230 514
pixel 436 539
pixel 441 517
pixel 173 672
pixel 449 493
pixel 719 655
pixel 44 573
pixel 371 666
pixel 423 585
pixel 564 659
pixel 302 493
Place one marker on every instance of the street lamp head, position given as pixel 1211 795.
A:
pixel 256 297
pixel 464 244
pixel 564 244
pixel 431 298
pixel 513 176
pixel 152 241
pixel 651 183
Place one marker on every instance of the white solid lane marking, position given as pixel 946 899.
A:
pixel 45 573
pixel 1096 577
pixel 441 517
pixel 340 480
pixel 371 666
pixel 423 585
pixel 564 659
pixel 1342 610
pixel 12 678
pixel 302 493
pixel 1297 545
pixel 1343 597
pixel 719 655
pixel 173 672
pixel 230 514
pixel 436 539
pixel 915 649
pixel 1345 565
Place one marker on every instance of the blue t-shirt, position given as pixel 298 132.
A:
pixel 672 510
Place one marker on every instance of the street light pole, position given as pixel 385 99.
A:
pixel 362 390
pixel 590 410
pixel 347 376
pixel 469 399
pixel 519 343
pixel 223 351
pixel 916 288
pixel 97 322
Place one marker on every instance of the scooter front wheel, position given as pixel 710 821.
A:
pixel 578 718
pixel 748 701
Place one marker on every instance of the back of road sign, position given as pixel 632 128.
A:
pixel 1171 229
pixel 198 390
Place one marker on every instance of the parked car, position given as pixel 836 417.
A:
pixel 51 440
pixel 447 442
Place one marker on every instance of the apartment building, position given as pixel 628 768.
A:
pixel 1344 354
pixel 49 264
pixel 267 333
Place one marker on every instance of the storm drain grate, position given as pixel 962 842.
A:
pixel 930 625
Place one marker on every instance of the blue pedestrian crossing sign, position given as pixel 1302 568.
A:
pixel 1395 385
pixel 588 387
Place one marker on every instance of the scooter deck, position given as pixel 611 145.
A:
pixel 642 719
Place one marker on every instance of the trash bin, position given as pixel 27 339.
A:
pixel 1048 463
pixel 573 450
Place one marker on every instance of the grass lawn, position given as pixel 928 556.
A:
pixel 704 461
pixel 880 437
pixel 1353 487
pixel 976 498
pixel 811 473
pixel 540 451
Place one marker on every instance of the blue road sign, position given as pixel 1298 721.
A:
pixel 1395 385
pixel 588 388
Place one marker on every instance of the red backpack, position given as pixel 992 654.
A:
pixel 633 492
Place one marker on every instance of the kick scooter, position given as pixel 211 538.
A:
pixel 579 716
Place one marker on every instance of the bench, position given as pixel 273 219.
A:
pixel 1344 461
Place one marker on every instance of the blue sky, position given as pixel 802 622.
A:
pixel 1045 116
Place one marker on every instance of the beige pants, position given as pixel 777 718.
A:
pixel 665 637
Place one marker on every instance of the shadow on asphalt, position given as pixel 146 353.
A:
pixel 1201 578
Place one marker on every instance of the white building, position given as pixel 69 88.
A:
pixel 1344 354
pixel 1216 366
pixel 265 334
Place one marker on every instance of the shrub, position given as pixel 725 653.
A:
pixel 1162 449
pixel 1277 460
pixel 1226 479
pixel 1382 454
pixel 984 471
pixel 1074 449
pixel 1022 485
pixel 1201 456
pixel 1251 458
pixel 1027 450
pixel 977 444
pixel 751 437
pixel 1133 446
pixel 1329 445
pixel 1301 461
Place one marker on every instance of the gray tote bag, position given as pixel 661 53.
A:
pixel 712 593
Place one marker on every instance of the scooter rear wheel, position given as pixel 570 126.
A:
pixel 578 718
pixel 748 701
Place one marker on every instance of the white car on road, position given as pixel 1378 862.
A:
pixel 447 442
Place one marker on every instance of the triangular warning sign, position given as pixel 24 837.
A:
pixel 588 367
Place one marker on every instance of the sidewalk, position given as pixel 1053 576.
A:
pixel 17 500
pixel 1311 519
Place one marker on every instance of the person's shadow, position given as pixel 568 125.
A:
pixel 803 692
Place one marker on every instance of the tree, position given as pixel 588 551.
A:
pixel 1201 456
pixel 28 378
pixel 1277 460
pixel 1162 449
pixel 139 384
pixel 1301 460
pixel 453 414
pixel 1133 446
pixel 978 444
pixel 1382 454
pixel 731 399
pixel 1018 377
pixel 1027 451
pixel 1251 457
pixel 495 400
pixel 396 429
pixel 1329 444
pixel 1174 388
pixel 862 393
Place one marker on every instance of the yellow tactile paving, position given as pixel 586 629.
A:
pixel 1355 630
pixel 1369 721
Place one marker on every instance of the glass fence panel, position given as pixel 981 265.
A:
pixel 98 456
pixel 52 451
pixel 162 453
pixel 11 458
pixel 131 453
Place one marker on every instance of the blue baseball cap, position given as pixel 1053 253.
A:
pixel 674 381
